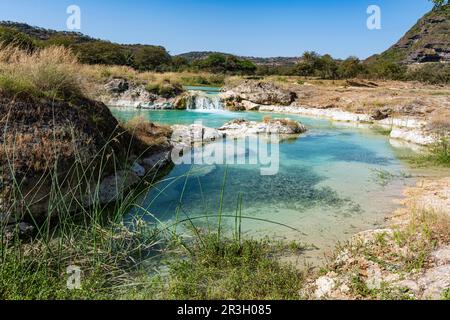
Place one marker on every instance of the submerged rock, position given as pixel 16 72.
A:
pixel 156 161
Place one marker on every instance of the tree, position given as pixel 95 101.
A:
pixel 351 68
pixel 148 58
pixel 179 63
pixel 101 52
pixel 327 67
pixel 222 63
pixel 440 3
pixel 308 64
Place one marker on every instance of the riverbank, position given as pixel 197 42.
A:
pixel 410 112
pixel 408 260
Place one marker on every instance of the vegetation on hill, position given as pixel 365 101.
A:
pixel 140 57
pixel 427 41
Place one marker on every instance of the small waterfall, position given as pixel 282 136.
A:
pixel 201 101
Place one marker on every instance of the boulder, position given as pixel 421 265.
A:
pixel 259 93
pixel 112 188
pixel 138 170
pixel 250 106
pixel 325 286
pixel 117 86
pixel 195 133
pixel 381 114
pixel 156 161
pixel 276 126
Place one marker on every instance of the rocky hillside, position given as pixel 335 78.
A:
pixel 427 41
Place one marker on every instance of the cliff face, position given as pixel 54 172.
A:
pixel 427 41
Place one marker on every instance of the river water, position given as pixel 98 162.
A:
pixel 334 181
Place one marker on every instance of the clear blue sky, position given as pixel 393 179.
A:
pixel 245 27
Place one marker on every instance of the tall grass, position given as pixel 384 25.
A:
pixel 79 228
pixel 50 72
pixel 112 254
pixel 437 155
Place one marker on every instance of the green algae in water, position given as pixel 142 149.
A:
pixel 324 188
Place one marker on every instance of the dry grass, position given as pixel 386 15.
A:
pixel 101 73
pixel 51 72
pixel 154 136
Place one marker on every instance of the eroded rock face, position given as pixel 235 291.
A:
pixel 258 93
pixel 427 41
pixel 122 93
pixel 117 85
pixel 60 139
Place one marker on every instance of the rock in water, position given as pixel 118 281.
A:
pixel 276 126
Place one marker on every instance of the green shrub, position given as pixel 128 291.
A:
pixel 228 269
pixel 433 73
pixel 11 36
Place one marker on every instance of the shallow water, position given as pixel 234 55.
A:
pixel 326 188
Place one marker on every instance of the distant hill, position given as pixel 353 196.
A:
pixel 90 50
pixel 275 61
pixel 427 41
pixel 44 34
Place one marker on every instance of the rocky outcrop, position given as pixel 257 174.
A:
pixel 48 144
pixel 240 128
pixel 186 136
pixel 249 94
pixel 404 128
pixel 122 93
pixel 427 41
pixel 417 136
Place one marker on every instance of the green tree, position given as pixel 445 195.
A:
pixel 221 63
pixel 327 67
pixel 101 52
pixel 309 63
pixel 440 3
pixel 148 58
pixel 351 68
pixel 14 37
pixel 179 63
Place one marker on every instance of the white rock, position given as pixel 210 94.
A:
pixel 374 277
pixel 239 128
pixel 325 286
pixel 250 106
pixel 435 281
pixel 413 135
pixel 442 256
